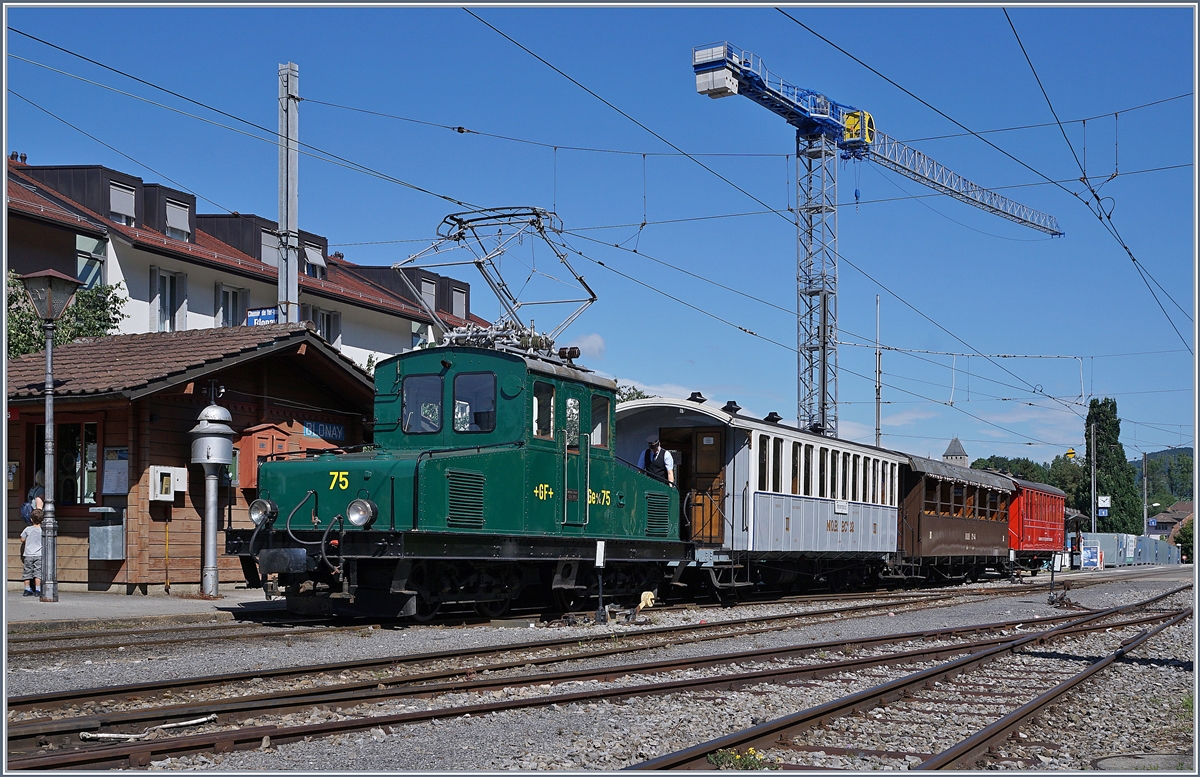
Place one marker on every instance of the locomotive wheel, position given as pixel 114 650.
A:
pixel 496 608
pixel 426 610
pixel 418 580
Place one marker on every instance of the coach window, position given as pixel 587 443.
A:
pixel 854 467
pixel 932 503
pixel 808 453
pixel 777 465
pixel 543 410
pixel 474 402
pixel 422 404
pixel 821 476
pixel 875 481
pixel 845 467
pixel 795 468
pixel 599 421
pixel 835 463
pixel 892 485
pixel 764 455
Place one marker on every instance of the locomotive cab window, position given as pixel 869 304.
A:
pixel 600 406
pixel 543 410
pixel 572 422
pixel 422 404
pixel 474 402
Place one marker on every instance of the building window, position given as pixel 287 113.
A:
pixel 460 303
pixel 231 305
pixel 77 464
pixel 314 262
pixel 543 410
pixel 179 224
pixel 429 293
pixel 474 402
pixel 329 325
pixel 121 204
pixel 270 248
pixel 168 300
pixel 90 254
pixel 600 412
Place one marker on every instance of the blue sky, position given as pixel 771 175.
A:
pixel 997 288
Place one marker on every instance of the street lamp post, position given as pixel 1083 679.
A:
pixel 50 292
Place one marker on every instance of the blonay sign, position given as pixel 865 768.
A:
pixel 258 316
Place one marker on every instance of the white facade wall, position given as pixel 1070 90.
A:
pixel 363 331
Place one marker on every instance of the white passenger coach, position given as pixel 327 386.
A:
pixel 768 503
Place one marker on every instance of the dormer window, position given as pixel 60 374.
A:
pixel 314 262
pixel 121 201
pixel 179 224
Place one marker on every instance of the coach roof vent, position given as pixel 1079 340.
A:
pixel 773 417
pixel 697 397
pixel 731 407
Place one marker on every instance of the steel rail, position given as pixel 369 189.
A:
pixel 962 754
pixel 767 734
pixel 139 753
pixel 21 733
pixel 141 689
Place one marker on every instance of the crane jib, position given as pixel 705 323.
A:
pixel 724 70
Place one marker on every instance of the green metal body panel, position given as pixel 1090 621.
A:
pixel 441 477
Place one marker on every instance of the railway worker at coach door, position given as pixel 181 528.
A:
pixel 657 462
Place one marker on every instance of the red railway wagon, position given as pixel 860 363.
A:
pixel 1036 523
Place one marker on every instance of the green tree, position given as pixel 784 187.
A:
pixel 95 312
pixel 1115 476
pixel 1072 478
pixel 1025 469
pixel 628 393
pixel 1184 540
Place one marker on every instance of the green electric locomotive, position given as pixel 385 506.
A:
pixel 493 478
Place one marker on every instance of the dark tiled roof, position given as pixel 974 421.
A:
pixel 120 363
pixel 28 198
pixel 208 250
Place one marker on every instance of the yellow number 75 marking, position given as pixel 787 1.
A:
pixel 339 480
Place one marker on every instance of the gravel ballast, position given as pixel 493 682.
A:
pixel 1142 704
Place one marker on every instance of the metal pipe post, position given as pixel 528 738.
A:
pixel 1145 500
pixel 49 522
pixel 212 519
pixel 878 375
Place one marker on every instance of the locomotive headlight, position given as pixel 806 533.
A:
pixel 361 512
pixel 263 511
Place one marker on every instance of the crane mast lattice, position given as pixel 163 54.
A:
pixel 825 131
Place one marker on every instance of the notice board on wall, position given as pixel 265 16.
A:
pixel 116 471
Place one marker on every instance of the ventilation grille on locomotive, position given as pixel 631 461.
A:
pixel 465 499
pixel 658 514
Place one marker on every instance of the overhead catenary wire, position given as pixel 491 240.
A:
pixel 273 133
pixel 1099 209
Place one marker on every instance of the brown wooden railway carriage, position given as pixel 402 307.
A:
pixel 953 521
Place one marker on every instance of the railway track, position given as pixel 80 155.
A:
pixel 74 641
pixel 140 752
pixel 991 691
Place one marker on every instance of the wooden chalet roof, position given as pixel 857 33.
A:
pixel 139 364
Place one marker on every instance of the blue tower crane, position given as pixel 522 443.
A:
pixel 826 130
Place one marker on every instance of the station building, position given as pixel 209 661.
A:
pixel 128 502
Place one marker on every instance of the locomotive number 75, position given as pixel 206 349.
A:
pixel 339 480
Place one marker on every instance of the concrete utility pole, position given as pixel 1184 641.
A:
pixel 1092 454
pixel 1145 499
pixel 289 193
